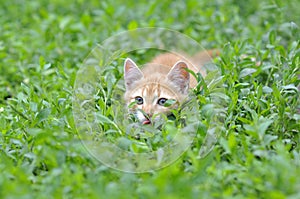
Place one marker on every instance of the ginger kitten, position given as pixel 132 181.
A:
pixel 165 79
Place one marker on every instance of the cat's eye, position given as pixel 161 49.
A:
pixel 139 100
pixel 161 101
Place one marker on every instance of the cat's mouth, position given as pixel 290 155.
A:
pixel 146 121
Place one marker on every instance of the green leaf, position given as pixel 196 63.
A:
pixel 263 124
pixel 246 72
pixel 169 102
pixel 290 87
pixel 267 89
pixel 43 115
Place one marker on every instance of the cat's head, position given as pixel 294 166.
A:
pixel 149 95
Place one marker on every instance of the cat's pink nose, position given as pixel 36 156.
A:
pixel 149 115
pixel 148 112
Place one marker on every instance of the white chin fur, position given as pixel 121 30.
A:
pixel 140 116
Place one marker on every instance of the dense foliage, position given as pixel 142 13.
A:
pixel 43 44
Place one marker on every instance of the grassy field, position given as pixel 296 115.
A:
pixel 43 44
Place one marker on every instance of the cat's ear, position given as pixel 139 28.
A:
pixel 131 72
pixel 180 77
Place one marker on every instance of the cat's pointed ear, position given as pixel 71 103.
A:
pixel 131 72
pixel 180 76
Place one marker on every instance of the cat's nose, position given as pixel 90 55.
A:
pixel 149 115
pixel 148 111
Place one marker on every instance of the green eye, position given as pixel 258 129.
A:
pixel 139 100
pixel 161 101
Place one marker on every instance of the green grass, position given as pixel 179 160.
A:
pixel 42 46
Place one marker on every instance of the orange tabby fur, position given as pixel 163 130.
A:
pixel 164 78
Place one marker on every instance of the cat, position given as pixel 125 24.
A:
pixel 165 79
